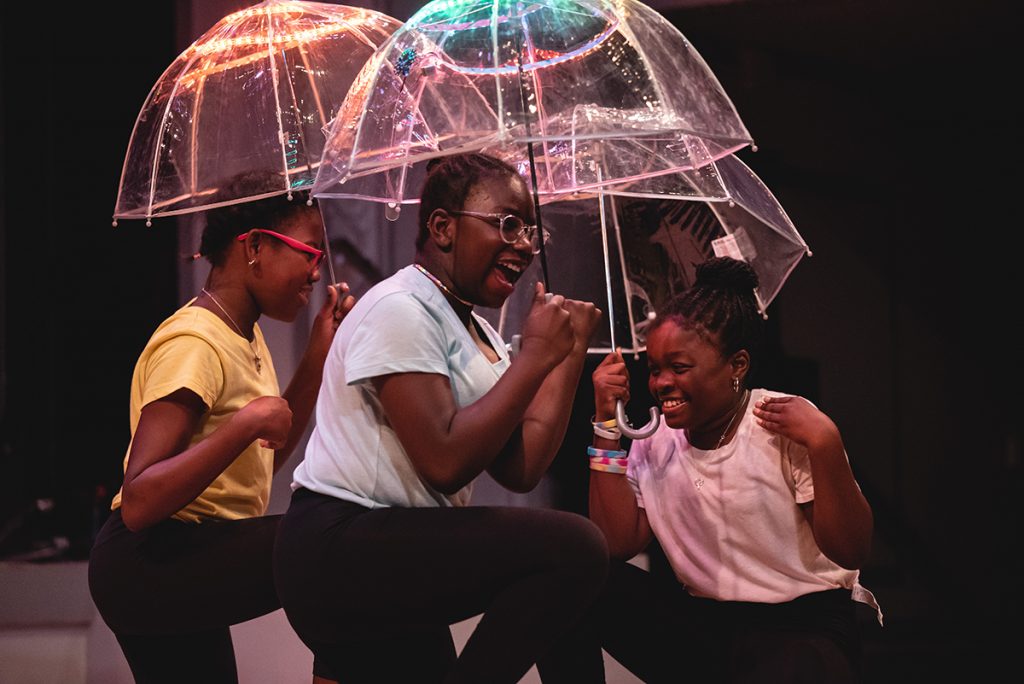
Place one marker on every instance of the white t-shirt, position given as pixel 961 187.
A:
pixel 729 520
pixel 401 325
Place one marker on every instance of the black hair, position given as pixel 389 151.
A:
pixel 449 181
pixel 225 223
pixel 720 306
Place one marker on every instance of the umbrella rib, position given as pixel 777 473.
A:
pixel 193 174
pixel 275 79
pixel 607 269
pixel 626 283
pixel 497 75
pixel 297 114
pixel 529 151
pixel 160 138
pixel 312 85
pixel 377 72
pixel 539 99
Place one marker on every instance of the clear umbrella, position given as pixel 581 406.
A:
pixel 254 93
pixel 594 92
pixel 592 99
pixel 634 253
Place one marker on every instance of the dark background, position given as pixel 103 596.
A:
pixel 888 130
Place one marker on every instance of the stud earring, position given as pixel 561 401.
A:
pixel 736 385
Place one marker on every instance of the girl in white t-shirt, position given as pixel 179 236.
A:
pixel 751 497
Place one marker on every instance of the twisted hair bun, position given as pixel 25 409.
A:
pixel 725 273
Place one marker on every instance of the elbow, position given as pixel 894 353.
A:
pixel 851 556
pixel 134 514
pixel 623 552
pixel 848 561
pixel 520 485
pixel 133 520
pixel 447 483
pixel 448 488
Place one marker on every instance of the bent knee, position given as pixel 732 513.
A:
pixel 583 549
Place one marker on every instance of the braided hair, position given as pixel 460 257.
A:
pixel 225 223
pixel 449 181
pixel 720 306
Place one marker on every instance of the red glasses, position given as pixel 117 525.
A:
pixel 313 255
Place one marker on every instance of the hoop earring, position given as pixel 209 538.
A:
pixel 736 385
pixel 252 261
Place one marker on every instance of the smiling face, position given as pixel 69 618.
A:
pixel 690 378
pixel 285 274
pixel 485 268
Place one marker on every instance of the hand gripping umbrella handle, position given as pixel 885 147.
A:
pixel 633 433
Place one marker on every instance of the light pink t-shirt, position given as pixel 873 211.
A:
pixel 729 519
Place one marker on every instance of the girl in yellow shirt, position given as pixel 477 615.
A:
pixel 186 551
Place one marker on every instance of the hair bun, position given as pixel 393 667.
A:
pixel 725 273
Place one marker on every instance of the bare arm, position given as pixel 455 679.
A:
pixel 450 446
pixel 840 515
pixel 302 391
pixel 613 506
pixel 529 453
pixel 164 474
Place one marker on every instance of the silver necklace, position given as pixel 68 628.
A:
pixel 699 482
pixel 743 400
pixel 441 285
pixel 255 352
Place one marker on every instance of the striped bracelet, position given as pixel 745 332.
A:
pixel 607 460
pixel 608 468
pixel 608 453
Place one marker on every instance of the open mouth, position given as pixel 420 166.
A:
pixel 672 405
pixel 510 271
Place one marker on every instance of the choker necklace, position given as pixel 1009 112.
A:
pixel 735 413
pixel 441 285
pixel 255 352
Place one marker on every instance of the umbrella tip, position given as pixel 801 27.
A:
pixel 392 210
pixel 114 223
pixel 149 223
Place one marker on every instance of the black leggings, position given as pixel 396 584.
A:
pixel 373 592
pixel 170 592
pixel 662 634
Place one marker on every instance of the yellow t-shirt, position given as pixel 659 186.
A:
pixel 194 349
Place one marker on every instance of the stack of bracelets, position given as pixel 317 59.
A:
pixel 607 460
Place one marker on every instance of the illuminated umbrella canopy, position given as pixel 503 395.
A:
pixel 594 91
pixel 254 93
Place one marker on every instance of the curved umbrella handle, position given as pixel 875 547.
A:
pixel 633 433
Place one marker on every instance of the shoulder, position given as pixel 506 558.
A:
pixel 191 325
pixel 386 307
